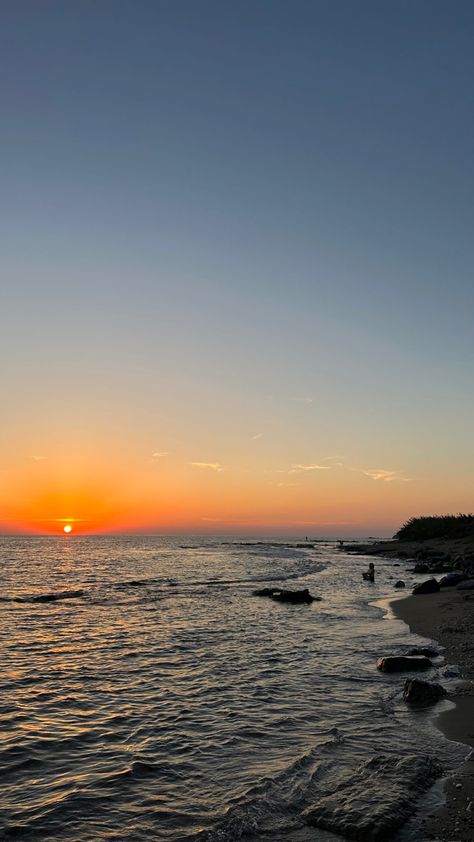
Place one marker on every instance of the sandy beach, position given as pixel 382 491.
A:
pixel 446 617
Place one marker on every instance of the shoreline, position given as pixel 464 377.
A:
pixel 446 617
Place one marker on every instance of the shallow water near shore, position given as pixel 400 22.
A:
pixel 168 702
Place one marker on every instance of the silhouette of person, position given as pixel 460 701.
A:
pixel 369 575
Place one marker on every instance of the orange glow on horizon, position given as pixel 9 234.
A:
pixel 110 490
pixel 60 496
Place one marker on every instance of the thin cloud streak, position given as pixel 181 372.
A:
pixel 297 469
pixel 159 455
pixel 211 466
pixel 386 476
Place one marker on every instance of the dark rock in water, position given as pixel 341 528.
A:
pixel 403 663
pixel 451 579
pixel 51 597
pixel 399 584
pixel 296 597
pixel 304 546
pixel 421 568
pixel 422 693
pixel 427 651
pixel 430 586
pixel 377 799
pixel 265 591
pixel 468 585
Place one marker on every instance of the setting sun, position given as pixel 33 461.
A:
pixel 68 528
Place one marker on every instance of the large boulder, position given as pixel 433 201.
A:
pixel 430 586
pixel 403 663
pixel 422 693
pixel 376 799
pixel 451 579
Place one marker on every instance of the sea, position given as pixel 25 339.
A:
pixel 168 702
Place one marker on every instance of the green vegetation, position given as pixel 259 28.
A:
pixel 436 526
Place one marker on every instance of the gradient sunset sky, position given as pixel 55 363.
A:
pixel 237 287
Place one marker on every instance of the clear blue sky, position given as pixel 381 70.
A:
pixel 256 217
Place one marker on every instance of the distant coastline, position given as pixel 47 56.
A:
pixel 393 548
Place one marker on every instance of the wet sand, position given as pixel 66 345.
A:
pixel 447 617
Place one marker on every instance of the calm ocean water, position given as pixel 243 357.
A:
pixel 170 703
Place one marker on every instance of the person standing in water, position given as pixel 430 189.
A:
pixel 369 575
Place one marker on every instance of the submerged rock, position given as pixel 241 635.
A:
pixel 51 597
pixel 422 693
pixel 430 586
pixel 374 801
pixel 265 591
pixel 403 663
pixel 399 584
pixel 294 596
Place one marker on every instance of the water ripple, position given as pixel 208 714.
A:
pixel 167 702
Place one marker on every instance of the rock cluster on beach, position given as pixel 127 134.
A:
pixel 436 557
pixel 442 610
pixel 447 616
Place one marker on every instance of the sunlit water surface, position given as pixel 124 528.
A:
pixel 169 701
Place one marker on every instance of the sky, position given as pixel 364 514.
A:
pixel 236 265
